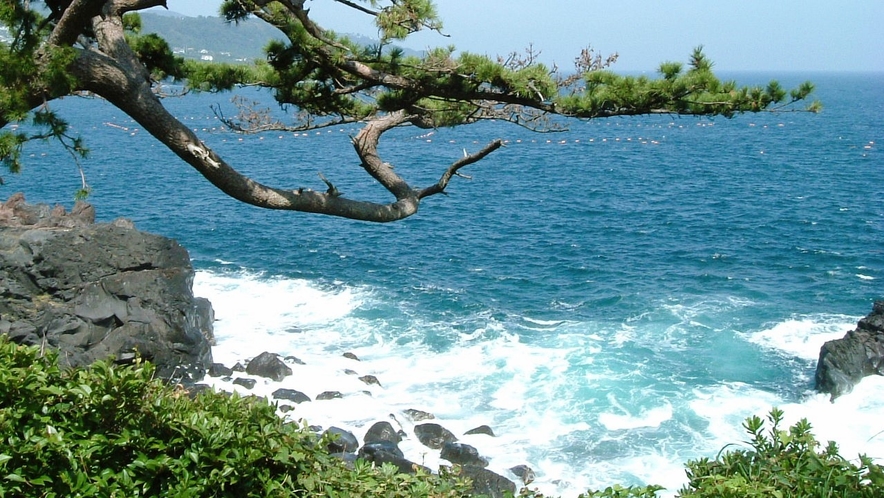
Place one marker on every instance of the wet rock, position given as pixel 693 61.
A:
pixel 524 472
pixel 844 362
pixel 370 380
pixel 219 370
pixel 268 365
pixel 245 382
pixel 290 395
pixel 326 395
pixel 295 360
pixel 418 415
pixel 488 483
pixel 433 435
pixel 381 431
pixel 482 429
pixel 345 441
pixel 387 452
pixel 462 454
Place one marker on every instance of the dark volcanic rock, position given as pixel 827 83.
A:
pixel 523 472
pixel 487 483
pixel 482 429
pixel 219 370
pixel 291 395
pixel 382 446
pixel 381 431
pixel 874 321
pixel 433 435
pixel 462 454
pixel 387 452
pixel 326 395
pixel 345 441
pixel 295 360
pixel 245 382
pixel 99 291
pixel 418 415
pixel 370 379
pixel 844 362
pixel 268 365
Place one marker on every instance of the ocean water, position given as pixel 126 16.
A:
pixel 612 301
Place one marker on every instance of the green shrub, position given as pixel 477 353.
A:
pixel 783 464
pixel 114 431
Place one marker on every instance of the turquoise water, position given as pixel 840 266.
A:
pixel 612 300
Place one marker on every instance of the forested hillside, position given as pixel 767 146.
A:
pixel 203 37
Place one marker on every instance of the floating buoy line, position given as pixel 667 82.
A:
pixel 431 136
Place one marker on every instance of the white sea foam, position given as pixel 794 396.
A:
pixel 652 417
pixel 802 337
pixel 526 391
pixel 471 384
pixel 545 323
pixel 853 420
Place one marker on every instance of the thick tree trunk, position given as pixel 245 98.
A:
pixel 115 74
pixel 110 69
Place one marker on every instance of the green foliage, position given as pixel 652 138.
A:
pixel 132 23
pixel 115 431
pixel 216 77
pixel 156 55
pixel 11 144
pixel 331 79
pixel 48 126
pixel 401 18
pixel 615 491
pixel 694 91
pixel 152 50
pixel 783 464
pixel 27 69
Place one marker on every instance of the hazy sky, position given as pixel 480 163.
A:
pixel 781 35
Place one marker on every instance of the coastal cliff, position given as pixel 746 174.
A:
pixel 96 291
pixel 844 362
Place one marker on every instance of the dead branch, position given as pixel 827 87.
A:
pixel 439 187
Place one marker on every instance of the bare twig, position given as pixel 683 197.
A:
pixel 332 190
pixel 439 187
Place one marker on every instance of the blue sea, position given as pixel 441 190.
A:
pixel 613 300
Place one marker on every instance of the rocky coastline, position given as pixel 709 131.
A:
pixel 96 291
pixel 860 353
pixel 410 439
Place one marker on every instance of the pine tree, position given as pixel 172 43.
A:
pixel 95 46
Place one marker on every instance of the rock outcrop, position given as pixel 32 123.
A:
pixel 433 435
pixel 844 362
pixel 268 365
pixel 93 291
